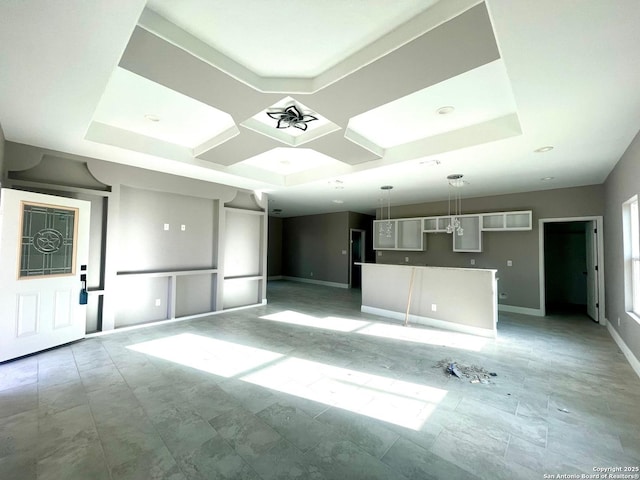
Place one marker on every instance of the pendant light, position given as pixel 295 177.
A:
pixel 386 229
pixel 455 183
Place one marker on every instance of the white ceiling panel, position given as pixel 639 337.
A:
pixel 280 38
pixel 475 97
pixel 133 103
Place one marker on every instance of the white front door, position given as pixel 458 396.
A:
pixel 44 249
pixel 592 269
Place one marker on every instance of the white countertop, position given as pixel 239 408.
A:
pixel 407 265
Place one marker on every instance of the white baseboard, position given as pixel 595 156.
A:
pixel 316 282
pixel 431 322
pixel 631 358
pixel 536 312
pixel 171 320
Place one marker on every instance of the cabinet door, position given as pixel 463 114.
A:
pixel 409 234
pixel 384 234
pixel 518 220
pixel 430 224
pixel 443 223
pixel 471 239
pixel 494 221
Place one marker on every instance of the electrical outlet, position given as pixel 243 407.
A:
pixel 434 307
pixel 311 274
pixel 502 296
pixel 618 321
pixel 158 302
pixel 473 261
pixel 406 259
pixel 344 252
pixel 509 263
pixel 166 226
pixel 183 227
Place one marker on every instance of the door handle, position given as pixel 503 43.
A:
pixel 84 295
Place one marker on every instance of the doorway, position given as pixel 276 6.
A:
pixel 356 255
pixel 44 252
pixel 571 277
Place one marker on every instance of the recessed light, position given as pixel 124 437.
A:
pixel 337 201
pixel 544 149
pixel 151 117
pixel 445 110
pixel 546 179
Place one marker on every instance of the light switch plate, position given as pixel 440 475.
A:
pixel 166 226
pixel 509 263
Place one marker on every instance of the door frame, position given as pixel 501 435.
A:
pixel 363 250
pixel 600 255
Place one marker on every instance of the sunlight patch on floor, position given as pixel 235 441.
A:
pixel 395 401
pixel 383 330
pixel 425 336
pixel 207 354
pixel 388 399
pixel 330 323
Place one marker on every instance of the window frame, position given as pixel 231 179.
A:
pixel 631 251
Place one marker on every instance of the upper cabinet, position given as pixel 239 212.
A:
pixel 407 233
pixel 398 234
pixel 471 238
pixel 435 224
pixel 410 234
pixel 507 221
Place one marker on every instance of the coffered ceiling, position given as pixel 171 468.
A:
pixel 321 103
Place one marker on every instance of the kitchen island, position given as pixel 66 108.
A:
pixel 459 299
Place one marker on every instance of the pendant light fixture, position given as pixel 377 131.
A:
pixel 455 183
pixel 386 229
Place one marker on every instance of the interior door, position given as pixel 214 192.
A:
pixel 357 256
pixel 592 269
pixel 44 249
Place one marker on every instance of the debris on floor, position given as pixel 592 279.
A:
pixel 453 370
pixel 564 410
pixel 474 373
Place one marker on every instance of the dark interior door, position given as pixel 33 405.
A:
pixel 357 255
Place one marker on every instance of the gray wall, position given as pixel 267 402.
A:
pixel 313 245
pixel 145 245
pixel 274 255
pixel 1 155
pixel 520 283
pixel 129 209
pixel 621 184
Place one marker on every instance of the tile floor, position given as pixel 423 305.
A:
pixel 318 390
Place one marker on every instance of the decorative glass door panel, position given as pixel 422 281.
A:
pixel 48 241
